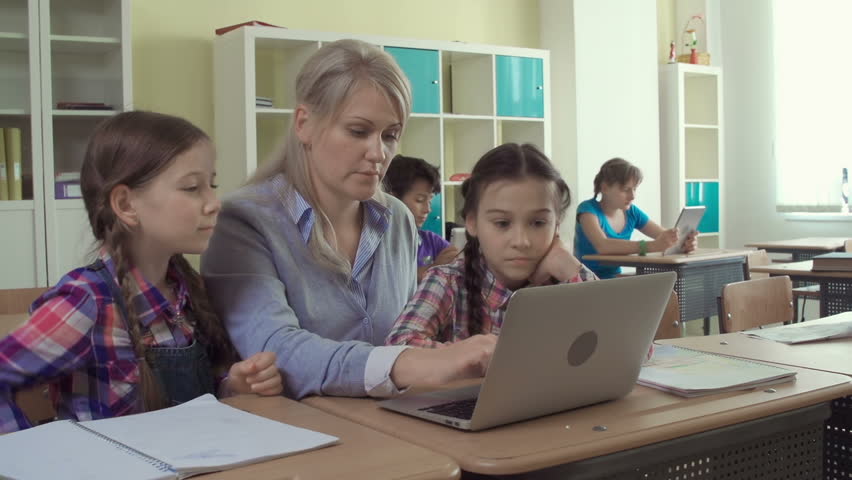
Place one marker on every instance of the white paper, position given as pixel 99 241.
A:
pixel 206 435
pixel 806 331
pixel 202 435
pixel 63 450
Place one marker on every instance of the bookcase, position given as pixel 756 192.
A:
pixel 468 98
pixel 52 52
pixel 691 146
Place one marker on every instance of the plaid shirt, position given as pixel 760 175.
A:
pixel 76 341
pixel 438 312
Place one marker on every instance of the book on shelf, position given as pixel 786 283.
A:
pixel 692 373
pixel 199 436
pixel 83 106
pixel 833 262
pixel 13 163
pixel 835 326
pixel 67 185
pixel 4 180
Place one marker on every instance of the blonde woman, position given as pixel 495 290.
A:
pixel 311 260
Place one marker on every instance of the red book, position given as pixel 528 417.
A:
pixel 252 23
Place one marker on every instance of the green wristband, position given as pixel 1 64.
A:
pixel 643 248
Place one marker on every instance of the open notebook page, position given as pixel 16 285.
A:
pixel 63 450
pixel 206 435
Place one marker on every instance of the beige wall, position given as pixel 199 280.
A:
pixel 172 39
pixel 666 30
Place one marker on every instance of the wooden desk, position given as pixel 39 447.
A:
pixel 835 288
pixel 362 453
pixel 700 276
pixel 802 248
pixel 648 431
pixel 830 356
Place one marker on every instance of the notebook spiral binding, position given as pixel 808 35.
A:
pixel 158 464
pixel 741 359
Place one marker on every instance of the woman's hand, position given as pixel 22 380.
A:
pixel 558 263
pixel 664 240
pixel 431 367
pixel 256 374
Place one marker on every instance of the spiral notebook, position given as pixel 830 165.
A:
pixel 200 436
pixel 691 373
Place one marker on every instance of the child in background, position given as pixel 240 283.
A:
pixel 133 331
pixel 605 226
pixel 514 201
pixel 415 182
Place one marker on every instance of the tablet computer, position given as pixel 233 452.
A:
pixel 687 223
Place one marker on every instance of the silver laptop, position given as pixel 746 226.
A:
pixel 561 347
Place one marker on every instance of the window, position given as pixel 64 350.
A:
pixel 813 102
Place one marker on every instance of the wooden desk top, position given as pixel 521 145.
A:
pixel 9 322
pixel 826 244
pixel 798 269
pixel 362 453
pixel 699 255
pixel 645 416
pixel 829 355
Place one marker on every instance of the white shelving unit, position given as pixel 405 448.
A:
pixel 467 99
pixel 691 145
pixel 55 51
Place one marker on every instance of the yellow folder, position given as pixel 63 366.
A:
pixel 4 183
pixel 13 163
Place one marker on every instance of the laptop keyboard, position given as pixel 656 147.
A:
pixel 458 409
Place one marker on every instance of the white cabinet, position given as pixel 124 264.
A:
pixel 53 52
pixel 691 145
pixel 467 99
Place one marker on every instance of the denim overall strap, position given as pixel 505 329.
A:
pixel 183 373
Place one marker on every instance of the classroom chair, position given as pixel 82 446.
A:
pixel 34 401
pixel 757 258
pixel 670 323
pixel 755 303
pixel 18 300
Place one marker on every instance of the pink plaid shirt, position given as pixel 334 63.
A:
pixel 438 311
pixel 77 342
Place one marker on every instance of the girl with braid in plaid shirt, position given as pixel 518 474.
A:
pixel 133 331
pixel 514 202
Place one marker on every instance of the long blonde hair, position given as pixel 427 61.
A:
pixel 324 84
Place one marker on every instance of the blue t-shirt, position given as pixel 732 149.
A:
pixel 634 219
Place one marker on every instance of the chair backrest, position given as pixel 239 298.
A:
pixel 33 401
pixel 18 300
pixel 757 258
pixel 848 246
pixel 670 323
pixel 754 303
